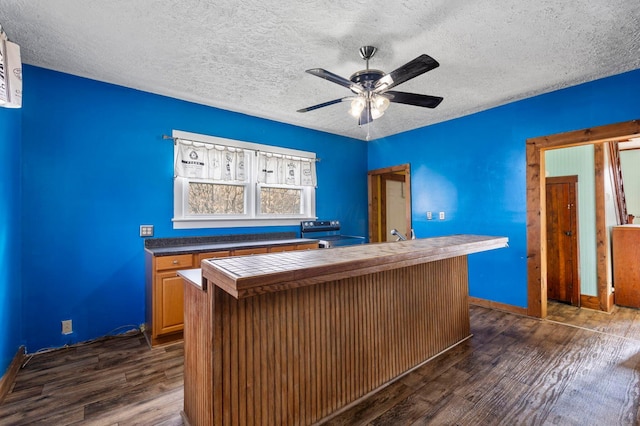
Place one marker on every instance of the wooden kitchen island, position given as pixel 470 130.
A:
pixel 292 338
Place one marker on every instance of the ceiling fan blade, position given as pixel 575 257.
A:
pixel 335 78
pixel 413 99
pixel 324 104
pixel 419 65
pixel 365 115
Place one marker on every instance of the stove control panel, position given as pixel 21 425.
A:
pixel 319 225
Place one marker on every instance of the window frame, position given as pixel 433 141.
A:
pixel 252 217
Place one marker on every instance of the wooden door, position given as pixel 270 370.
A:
pixel 563 283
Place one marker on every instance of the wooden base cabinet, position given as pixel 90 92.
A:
pixel 165 289
pixel 165 297
pixel 626 265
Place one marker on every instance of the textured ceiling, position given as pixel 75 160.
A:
pixel 250 56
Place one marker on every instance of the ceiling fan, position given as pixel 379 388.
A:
pixel 372 87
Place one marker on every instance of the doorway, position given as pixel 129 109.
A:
pixel 536 217
pixel 389 192
pixel 563 279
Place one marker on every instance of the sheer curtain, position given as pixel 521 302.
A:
pixel 226 163
pixel 208 161
pixel 286 170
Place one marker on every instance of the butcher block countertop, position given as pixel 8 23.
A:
pixel 246 276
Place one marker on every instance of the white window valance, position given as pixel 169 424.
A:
pixel 286 170
pixel 209 161
pixel 202 160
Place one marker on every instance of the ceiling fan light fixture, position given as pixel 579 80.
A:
pixel 380 103
pixel 376 113
pixel 357 106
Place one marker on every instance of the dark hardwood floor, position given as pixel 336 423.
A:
pixel 577 367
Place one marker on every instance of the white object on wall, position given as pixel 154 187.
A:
pixel 10 73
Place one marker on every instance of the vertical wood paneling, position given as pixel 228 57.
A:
pixel 197 392
pixel 256 414
pixel 297 356
pixel 579 161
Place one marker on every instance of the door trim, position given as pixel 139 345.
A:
pixel 536 220
pixel 374 187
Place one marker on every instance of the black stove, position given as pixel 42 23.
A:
pixel 327 232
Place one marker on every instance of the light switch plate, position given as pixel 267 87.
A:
pixel 146 231
pixel 429 215
pixel 441 215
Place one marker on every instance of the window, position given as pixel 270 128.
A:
pixel 225 183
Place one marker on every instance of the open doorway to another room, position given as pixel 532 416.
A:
pixel 389 191
pixel 537 250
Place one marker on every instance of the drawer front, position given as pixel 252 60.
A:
pixel 244 252
pixel 281 248
pixel 180 261
pixel 210 255
pixel 307 246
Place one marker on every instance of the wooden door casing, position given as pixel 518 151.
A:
pixel 563 282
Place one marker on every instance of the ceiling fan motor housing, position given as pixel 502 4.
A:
pixel 367 78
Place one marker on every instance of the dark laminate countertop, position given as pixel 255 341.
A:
pixel 223 245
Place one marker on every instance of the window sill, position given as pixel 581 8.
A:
pixel 193 223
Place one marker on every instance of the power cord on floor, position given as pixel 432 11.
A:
pixel 131 330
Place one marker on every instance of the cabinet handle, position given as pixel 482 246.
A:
pixel 175 262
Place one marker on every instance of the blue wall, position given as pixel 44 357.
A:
pixel 95 167
pixel 10 288
pixel 473 169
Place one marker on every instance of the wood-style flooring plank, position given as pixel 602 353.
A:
pixel 576 367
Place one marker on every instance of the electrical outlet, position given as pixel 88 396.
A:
pixel 146 231
pixel 429 215
pixel 441 215
pixel 67 327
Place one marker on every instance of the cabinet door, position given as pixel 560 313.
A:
pixel 169 303
pixel 626 267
